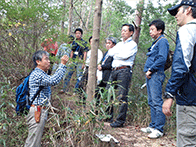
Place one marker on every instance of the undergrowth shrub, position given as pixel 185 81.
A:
pixel 69 124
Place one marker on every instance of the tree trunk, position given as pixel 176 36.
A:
pixel 89 15
pixel 82 15
pixel 62 23
pixel 138 19
pixel 94 49
pixel 70 17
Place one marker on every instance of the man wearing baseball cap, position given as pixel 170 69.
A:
pixel 182 83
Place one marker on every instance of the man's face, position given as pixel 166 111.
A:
pixel 154 33
pixel 180 16
pixel 78 35
pixel 90 42
pixel 44 64
pixel 125 33
pixel 109 44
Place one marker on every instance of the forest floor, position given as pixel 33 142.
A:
pixel 131 136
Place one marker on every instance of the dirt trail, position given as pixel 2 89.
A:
pixel 131 136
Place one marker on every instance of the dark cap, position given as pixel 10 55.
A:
pixel 111 39
pixel 173 10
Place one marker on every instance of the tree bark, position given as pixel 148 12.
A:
pixel 138 19
pixel 89 15
pixel 70 17
pixel 83 7
pixel 62 23
pixel 81 20
pixel 94 49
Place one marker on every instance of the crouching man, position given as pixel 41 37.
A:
pixel 39 77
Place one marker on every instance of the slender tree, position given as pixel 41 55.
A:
pixel 138 20
pixel 94 48
pixel 63 20
pixel 70 17
pixel 89 14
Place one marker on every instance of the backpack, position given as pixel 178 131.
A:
pixel 22 97
pixel 169 60
pixel 169 57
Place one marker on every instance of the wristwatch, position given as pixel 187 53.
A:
pixel 150 70
pixel 168 95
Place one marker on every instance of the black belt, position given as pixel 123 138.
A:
pixel 121 67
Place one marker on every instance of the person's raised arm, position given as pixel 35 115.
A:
pixel 64 59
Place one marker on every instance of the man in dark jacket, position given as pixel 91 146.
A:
pixel 106 62
pixel 182 83
pixel 78 54
pixel 106 68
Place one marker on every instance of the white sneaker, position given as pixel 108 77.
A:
pixel 147 130
pixel 155 134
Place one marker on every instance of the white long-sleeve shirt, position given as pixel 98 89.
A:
pixel 123 53
pixel 100 56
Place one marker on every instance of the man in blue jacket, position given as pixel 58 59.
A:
pixel 154 69
pixel 182 83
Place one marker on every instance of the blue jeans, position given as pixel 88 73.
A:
pixel 78 68
pixel 155 101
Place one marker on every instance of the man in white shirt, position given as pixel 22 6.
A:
pixel 123 59
pixel 84 78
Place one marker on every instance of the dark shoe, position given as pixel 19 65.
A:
pixel 110 120
pixel 116 125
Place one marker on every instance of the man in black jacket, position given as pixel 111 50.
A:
pixel 106 62
pixel 106 68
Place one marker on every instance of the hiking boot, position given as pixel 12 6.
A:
pixel 147 130
pixel 155 134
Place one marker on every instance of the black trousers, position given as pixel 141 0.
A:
pixel 122 79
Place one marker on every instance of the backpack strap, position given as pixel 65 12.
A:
pixel 159 39
pixel 149 49
pixel 37 92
